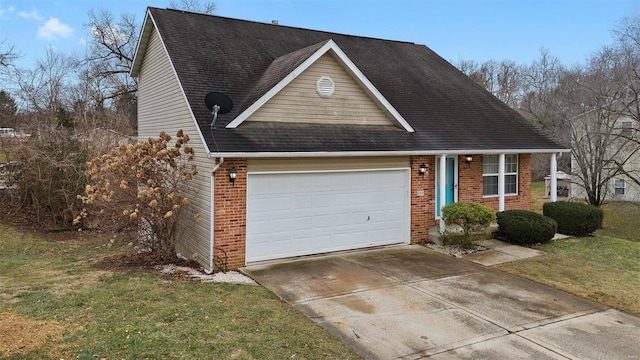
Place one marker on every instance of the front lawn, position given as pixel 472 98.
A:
pixel 621 220
pixel 59 299
pixel 603 269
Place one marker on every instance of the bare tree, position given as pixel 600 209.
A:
pixel 110 58
pixel 626 65
pixel 502 79
pixel 8 54
pixel 193 6
pixel 44 88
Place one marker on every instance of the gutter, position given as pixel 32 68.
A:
pixel 284 154
pixel 212 210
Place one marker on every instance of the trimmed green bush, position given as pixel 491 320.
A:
pixel 574 218
pixel 525 227
pixel 472 218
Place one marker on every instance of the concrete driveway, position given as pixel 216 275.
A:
pixel 409 302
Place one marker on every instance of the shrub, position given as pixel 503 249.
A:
pixel 48 173
pixel 471 218
pixel 525 227
pixel 143 185
pixel 574 218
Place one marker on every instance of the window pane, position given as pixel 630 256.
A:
pixel 510 184
pixel 489 185
pixel 626 128
pixel 511 163
pixel 618 187
pixel 490 164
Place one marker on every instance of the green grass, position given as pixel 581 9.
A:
pixel 537 196
pixel 94 312
pixel 603 269
pixel 621 220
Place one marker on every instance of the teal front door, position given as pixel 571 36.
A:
pixel 449 184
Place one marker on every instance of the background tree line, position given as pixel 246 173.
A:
pixel 592 108
pixel 74 108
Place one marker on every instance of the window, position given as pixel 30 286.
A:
pixel 618 186
pixel 626 129
pixel 490 166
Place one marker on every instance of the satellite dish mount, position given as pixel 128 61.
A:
pixel 217 103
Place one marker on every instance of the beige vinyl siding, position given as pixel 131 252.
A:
pixel 319 164
pixel 162 106
pixel 299 101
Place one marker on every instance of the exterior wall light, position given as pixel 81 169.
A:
pixel 232 174
pixel 468 159
pixel 423 169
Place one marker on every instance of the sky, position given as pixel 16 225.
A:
pixel 477 30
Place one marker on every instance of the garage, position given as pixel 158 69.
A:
pixel 302 213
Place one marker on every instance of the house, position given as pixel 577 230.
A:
pixel 334 142
pixel 600 171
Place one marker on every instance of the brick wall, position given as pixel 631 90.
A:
pixel 422 207
pixel 230 214
pixel 470 184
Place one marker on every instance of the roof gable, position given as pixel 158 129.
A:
pixel 303 100
pixel 329 47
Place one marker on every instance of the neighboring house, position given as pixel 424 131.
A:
pixel 336 142
pixel 620 141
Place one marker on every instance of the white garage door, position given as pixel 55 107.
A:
pixel 296 214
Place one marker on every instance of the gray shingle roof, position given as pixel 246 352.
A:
pixel 244 59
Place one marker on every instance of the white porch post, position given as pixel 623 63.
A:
pixel 442 181
pixel 501 182
pixel 553 186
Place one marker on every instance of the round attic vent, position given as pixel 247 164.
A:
pixel 325 86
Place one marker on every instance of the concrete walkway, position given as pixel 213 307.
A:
pixel 500 252
pixel 409 302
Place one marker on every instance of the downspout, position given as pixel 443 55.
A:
pixel 212 212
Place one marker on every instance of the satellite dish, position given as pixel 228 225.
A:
pixel 218 103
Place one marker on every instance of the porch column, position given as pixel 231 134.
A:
pixel 553 186
pixel 442 182
pixel 501 182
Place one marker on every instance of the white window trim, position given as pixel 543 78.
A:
pixel 624 187
pixel 516 173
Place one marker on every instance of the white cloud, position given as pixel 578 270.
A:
pixel 5 11
pixel 33 14
pixel 54 28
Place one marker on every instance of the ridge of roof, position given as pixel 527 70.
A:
pixel 281 25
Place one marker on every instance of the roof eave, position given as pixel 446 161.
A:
pixel 286 154
pixel 143 41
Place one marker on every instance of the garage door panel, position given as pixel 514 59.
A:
pixel 305 213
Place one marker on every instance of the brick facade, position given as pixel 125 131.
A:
pixel 230 213
pixel 470 184
pixel 422 207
